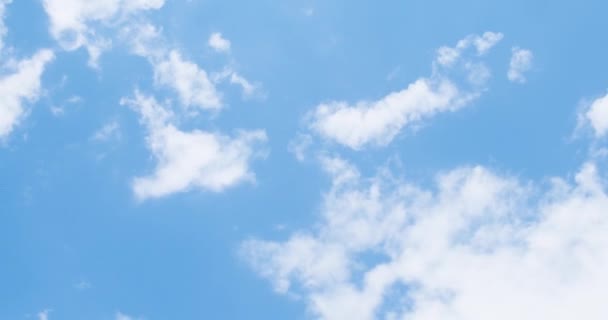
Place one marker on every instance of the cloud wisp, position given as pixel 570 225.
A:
pixel 20 83
pixel 376 123
pixel 521 62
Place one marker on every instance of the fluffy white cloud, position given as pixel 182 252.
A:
pixel 20 84
pixel 195 159
pixel 377 122
pixel 475 246
pixel 597 115
pixel 521 62
pixel 218 42
pixel 191 83
pixel 73 23
pixel 187 160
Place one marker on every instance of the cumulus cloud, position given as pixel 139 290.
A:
pixel 20 84
pixel 521 62
pixel 191 83
pixel 218 42
pixel 366 123
pixel 476 245
pixel 597 116
pixel 191 160
pixel 187 160
pixel 75 23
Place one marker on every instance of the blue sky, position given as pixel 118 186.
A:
pixel 303 159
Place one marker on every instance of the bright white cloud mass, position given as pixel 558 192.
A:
pixel 186 160
pixel 365 123
pixel 125 173
pixel 196 159
pixel 20 84
pixel 597 115
pixel 478 245
pixel 19 80
pixel 191 83
pixel 79 23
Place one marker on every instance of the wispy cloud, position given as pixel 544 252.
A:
pixel 376 123
pixel 19 86
pixel 521 62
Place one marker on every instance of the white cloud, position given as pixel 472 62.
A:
pixel 521 62
pixel 597 115
pixel 449 55
pixel 43 315
pixel 377 122
pixel 20 85
pixel 145 40
pixel 300 146
pixel 191 160
pixel 57 111
pixel 477 245
pixel 191 83
pixel 74 23
pixel 249 88
pixel 60 110
pixel 187 160
pixel 218 42
pixel 486 41
pixel 194 86
pixel 108 131
pixel 3 29
pixel 83 285
pixel 122 316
